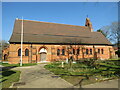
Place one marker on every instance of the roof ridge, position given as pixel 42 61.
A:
pixel 53 23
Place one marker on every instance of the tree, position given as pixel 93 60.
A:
pixel 72 45
pixel 100 30
pixel 0 51
pixel 4 44
pixel 113 33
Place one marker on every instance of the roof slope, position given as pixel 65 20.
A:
pixel 45 32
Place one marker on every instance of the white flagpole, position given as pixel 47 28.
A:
pixel 21 42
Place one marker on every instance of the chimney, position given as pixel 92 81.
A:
pixel 88 24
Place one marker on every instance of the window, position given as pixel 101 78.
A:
pixel 53 53
pixel 5 57
pixel 90 51
pixel 58 52
pixel 78 51
pixel 63 51
pixel 102 51
pixel 74 51
pixel 19 52
pixel 26 52
pixel 87 51
pixel 98 51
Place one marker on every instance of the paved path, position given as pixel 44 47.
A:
pixel 105 84
pixel 1 66
pixel 39 77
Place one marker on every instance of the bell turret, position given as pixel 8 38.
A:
pixel 89 24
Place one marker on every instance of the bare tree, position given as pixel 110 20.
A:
pixel 4 44
pixel 113 33
pixel 0 51
pixel 73 44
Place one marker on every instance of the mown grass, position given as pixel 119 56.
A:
pixel 8 77
pixel 103 69
pixel 18 65
pixel 0 63
pixel 115 59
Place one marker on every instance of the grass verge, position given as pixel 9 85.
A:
pixel 8 77
pixel 18 65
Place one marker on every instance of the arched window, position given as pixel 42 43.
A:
pixel 19 52
pixel 98 51
pixel 90 51
pixel 58 52
pixel 74 51
pixel 5 57
pixel 102 51
pixel 26 52
pixel 87 51
pixel 63 51
pixel 78 51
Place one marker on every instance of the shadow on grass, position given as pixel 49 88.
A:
pixel 3 80
pixel 79 83
pixel 80 79
pixel 8 67
pixel 7 73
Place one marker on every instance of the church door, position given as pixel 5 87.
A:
pixel 42 56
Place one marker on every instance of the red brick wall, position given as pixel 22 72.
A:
pixel 34 55
pixel 5 52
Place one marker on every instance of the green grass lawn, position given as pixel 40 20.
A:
pixel 8 77
pixel 90 74
pixel 18 65
pixel 115 59
pixel 0 63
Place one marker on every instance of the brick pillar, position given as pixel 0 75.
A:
pixel 30 53
pixel 82 53
pixel 94 53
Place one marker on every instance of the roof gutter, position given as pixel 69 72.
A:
pixel 60 43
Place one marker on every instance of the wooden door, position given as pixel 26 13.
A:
pixel 43 57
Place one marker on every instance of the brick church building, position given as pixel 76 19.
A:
pixel 46 42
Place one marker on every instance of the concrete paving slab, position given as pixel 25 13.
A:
pixel 38 77
pixel 104 84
